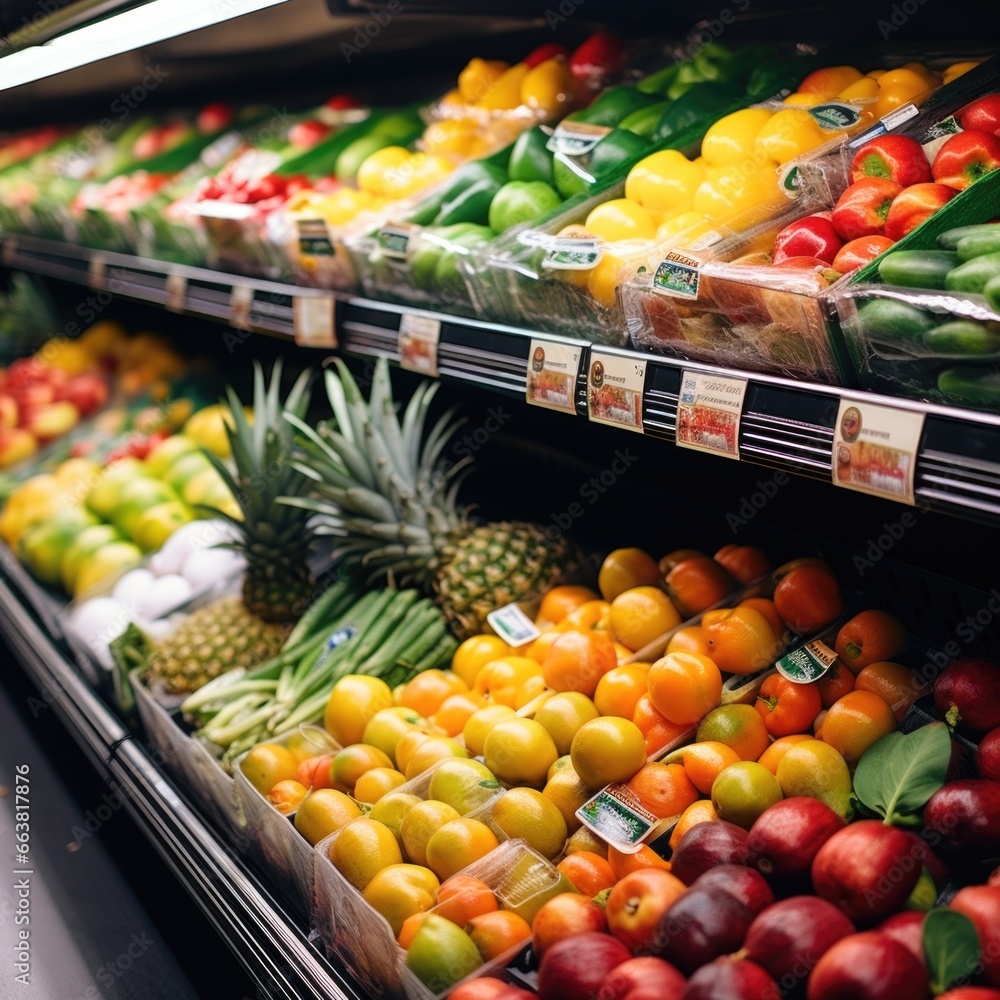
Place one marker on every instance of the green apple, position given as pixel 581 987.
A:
pixel 156 524
pixel 442 953
pixel 135 498
pixel 44 545
pixel 103 498
pixel 167 452
pixel 183 469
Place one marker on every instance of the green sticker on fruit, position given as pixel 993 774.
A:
pixel 835 116
pixel 677 276
pixel 617 816
pixel 808 663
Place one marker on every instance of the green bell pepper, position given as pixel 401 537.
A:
pixel 428 249
pixel 522 201
pixel 472 203
pixel 917 268
pixel 700 105
pixel 643 121
pixel 615 149
pixel 660 81
pixel 531 159
pixel 613 105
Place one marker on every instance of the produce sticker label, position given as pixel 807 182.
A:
pixel 677 276
pixel 790 180
pixel 808 663
pixel 418 343
pixel 617 816
pixel 513 625
pixel 614 390
pixel 835 116
pixel 571 255
pixel 875 449
pixel 708 413
pixel 313 316
pixel 314 238
pixel 393 241
pixel 552 374
pixel 576 138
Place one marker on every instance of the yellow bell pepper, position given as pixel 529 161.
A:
pixel 548 86
pixel 861 90
pixel 898 87
pixel 683 229
pixel 956 70
pixel 621 219
pixel 740 194
pixel 454 136
pixel 604 279
pixel 664 181
pixel 371 176
pixel 505 93
pixel 829 81
pixel 790 133
pixel 800 100
pixel 731 139
pixel 478 77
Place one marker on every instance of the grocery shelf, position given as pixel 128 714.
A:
pixel 786 425
pixel 275 951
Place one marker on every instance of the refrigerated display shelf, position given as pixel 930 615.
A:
pixel 276 952
pixel 785 424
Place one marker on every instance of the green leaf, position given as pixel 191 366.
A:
pixel 897 775
pixel 951 947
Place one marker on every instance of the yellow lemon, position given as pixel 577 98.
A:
pixel 362 849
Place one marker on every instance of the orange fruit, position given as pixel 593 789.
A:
pixel 561 601
pixel 499 680
pixel 684 686
pixel 458 844
pixel 771 757
pixel 478 725
pixel 474 653
pixel 834 684
pixel 520 752
pixel 664 789
pixel 497 932
pixel 567 793
pixel 641 616
pixel 671 559
pixel 657 730
pixel 619 690
pixel 407 747
pixel 743 562
pixel 624 864
pixel 606 750
pixel 286 796
pixel 766 607
pixel 462 897
pixel 737 726
pixel 786 707
pixel 428 690
pixel 354 699
pixel 869 637
pixel 625 568
pixel 589 872
pixel 698 582
pixel 592 615
pixel 563 715
pixel 576 661
pixel 455 710
pixel 353 761
pixel 539 648
pixel 429 752
pixel 379 781
pixel 853 724
pixel 742 641
pixel 691 639
pixel 807 597
pixel 703 762
pixel 701 811
pixel 529 691
pixel 892 682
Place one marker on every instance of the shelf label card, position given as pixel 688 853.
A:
pixel 875 449
pixel 618 817
pixel 240 306
pixel 552 373
pixel 614 390
pixel 313 319
pixel 97 272
pixel 418 343
pixel 176 287
pixel 394 241
pixel 314 238
pixel 513 625
pixel 808 663
pixel 677 276
pixel 708 413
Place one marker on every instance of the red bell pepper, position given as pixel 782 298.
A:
pixel 965 158
pixel 598 59
pixel 550 50
pixel 863 207
pixel 913 205
pixel 896 157
pixel 813 236
pixel 982 115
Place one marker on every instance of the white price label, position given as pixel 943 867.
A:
pixel 513 625
pixel 708 413
pixel 614 390
pixel 240 307
pixel 313 318
pixel 176 286
pixel 418 343
pixel 552 373
pixel 875 449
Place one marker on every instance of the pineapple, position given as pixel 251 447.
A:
pixel 274 538
pixel 382 489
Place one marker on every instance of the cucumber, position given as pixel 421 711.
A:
pixel 978 244
pixel 973 274
pixel 975 386
pixel 882 318
pixel 917 268
pixel 962 337
pixel 948 240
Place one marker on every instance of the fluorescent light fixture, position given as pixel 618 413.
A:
pixel 131 29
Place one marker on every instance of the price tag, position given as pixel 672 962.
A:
pixel 808 663
pixel 314 238
pixel 875 449
pixel 677 276
pixel 708 413
pixel 176 286
pixel 552 375
pixel 897 116
pixel 572 255
pixel 240 305
pixel 617 816
pixel 513 625
pixel 614 390
pixel 393 241
pixel 418 343
pixel 313 318
pixel 97 272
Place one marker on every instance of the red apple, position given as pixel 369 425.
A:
pixel 746 884
pixel 868 869
pixel 214 117
pixel 87 392
pixel 575 967
pixel 51 420
pixel 8 411
pixel 987 754
pixel 857 253
pixel 967 694
pixel 895 157
pixel 725 979
pixel 25 370
pixel 971 993
pixel 645 978
pixel 813 236
pixel 483 988
pixel 915 205
pixel 16 444
pixel 701 926
pixel 868 966
pixel 862 209
pixel 908 929
pixel 563 915
pixel 706 845
pixel 982 115
pixel 981 904
pixel 965 817
pixel 31 394
pixel 637 902
pixel 305 135
pixel 966 157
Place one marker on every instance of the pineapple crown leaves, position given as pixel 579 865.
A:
pixel 379 484
pixel 262 453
